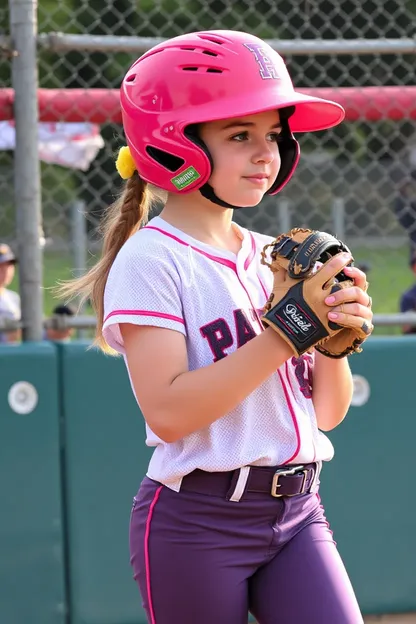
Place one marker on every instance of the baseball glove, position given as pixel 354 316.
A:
pixel 296 308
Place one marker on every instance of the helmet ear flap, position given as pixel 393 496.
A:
pixel 191 133
pixel 289 151
pixel 206 190
pixel 289 156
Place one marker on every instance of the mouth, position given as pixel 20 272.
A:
pixel 258 178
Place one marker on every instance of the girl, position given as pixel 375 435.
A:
pixel 228 519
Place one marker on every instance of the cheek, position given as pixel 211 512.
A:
pixel 225 164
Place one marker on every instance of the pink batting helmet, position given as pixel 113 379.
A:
pixel 201 77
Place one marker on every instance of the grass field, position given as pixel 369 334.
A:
pixel 389 276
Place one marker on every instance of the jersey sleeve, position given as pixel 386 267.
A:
pixel 143 288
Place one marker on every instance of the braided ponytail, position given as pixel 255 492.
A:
pixel 123 218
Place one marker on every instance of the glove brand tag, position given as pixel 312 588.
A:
pixel 291 312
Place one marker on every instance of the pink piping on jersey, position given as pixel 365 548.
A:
pixel 223 261
pixel 262 286
pixel 288 401
pixel 170 317
pixel 252 253
pixel 146 553
pixel 293 394
pixel 294 419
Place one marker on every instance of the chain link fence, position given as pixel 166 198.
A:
pixel 357 180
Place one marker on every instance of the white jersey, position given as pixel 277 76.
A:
pixel 165 278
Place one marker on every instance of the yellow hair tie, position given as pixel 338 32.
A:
pixel 125 163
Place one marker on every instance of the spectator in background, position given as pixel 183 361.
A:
pixel 408 298
pixel 64 334
pixel 405 207
pixel 9 300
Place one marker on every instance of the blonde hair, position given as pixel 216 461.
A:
pixel 123 218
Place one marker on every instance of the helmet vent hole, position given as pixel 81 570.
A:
pixel 153 52
pixel 212 39
pixel 167 160
pixel 131 78
pixel 189 48
pixel 190 68
pixel 213 70
pixel 209 53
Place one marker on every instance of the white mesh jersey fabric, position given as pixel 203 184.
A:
pixel 165 278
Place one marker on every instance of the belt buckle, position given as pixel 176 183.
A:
pixel 284 473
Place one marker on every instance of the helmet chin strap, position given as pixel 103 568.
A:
pixel 208 192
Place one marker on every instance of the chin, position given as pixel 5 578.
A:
pixel 249 202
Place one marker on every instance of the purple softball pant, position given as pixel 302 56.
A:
pixel 202 559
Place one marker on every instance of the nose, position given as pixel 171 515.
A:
pixel 265 152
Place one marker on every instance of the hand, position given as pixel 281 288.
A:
pixel 351 307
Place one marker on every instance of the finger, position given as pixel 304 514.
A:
pixel 354 309
pixel 352 294
pixel 334 266
pixel 359 277
pixel 347 320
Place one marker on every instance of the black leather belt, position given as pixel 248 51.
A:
pixel 280 481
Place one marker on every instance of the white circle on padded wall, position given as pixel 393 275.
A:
pixel 361 392
pixel 23 397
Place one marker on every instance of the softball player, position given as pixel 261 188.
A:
pixel 228 519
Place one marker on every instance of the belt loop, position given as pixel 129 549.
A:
pixel 240 486
pixel 315 481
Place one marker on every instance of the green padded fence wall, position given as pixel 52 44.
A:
pixel 31 543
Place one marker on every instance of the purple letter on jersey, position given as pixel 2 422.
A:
pixel 303 364
pixel 219 337
pixel 245 331
pixel 267 68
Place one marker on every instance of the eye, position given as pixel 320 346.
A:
pixel 275 137
pixel 241 136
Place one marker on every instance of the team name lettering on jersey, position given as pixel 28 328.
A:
pixel 221 337
pixel 303 366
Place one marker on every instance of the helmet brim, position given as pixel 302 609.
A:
pixel 311 113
